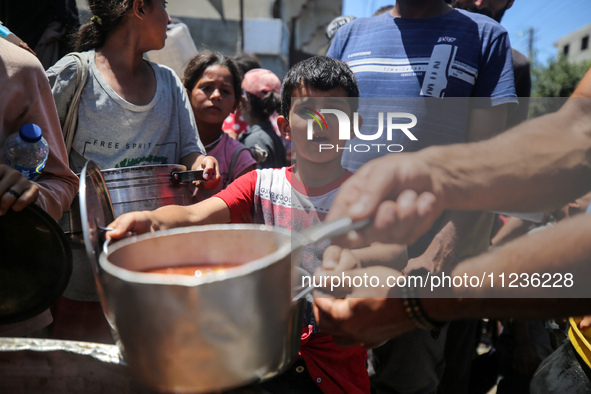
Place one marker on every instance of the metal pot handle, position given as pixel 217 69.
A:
pixel 186 176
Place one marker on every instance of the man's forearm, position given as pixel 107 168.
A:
pixel 442 250
pixel 537 165
pixel 558 251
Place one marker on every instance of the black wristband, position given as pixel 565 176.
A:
pixel 414 311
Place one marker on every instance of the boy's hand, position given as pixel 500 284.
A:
pixel 368 316
pixel 211 172
pixel 335 262
pixel 16 191
pixel 130 223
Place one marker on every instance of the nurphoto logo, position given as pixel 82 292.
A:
pixel 394 122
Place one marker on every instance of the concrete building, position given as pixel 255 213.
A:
pixel 278 32
pixel 576 46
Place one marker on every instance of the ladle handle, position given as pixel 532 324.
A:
pixel 333 228
pixel 106 246
pixel 303 293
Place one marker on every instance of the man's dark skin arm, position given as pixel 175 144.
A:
pixel 539 165
pixel 373 315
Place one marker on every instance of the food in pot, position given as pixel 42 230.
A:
pixel 192 270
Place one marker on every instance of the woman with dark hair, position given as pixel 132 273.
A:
pixel 213 83
pixel 131 112
pixel 261 89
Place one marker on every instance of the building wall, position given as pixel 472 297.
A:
pixel 307 19
pixel 578 44
pixel 204 9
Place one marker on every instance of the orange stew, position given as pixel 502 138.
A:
pixel 192 270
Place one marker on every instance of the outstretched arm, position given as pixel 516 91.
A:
pixel 538 165
pixel 371 315
pixel 210 211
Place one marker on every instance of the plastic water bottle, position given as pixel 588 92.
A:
pixel 8 35
pixel 27 151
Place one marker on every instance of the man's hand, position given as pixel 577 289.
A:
pixel 585 323
pixel 27 48
pixel 397 190
pixel 16 191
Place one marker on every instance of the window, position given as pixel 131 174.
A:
pixel 585 43
pixel 565 50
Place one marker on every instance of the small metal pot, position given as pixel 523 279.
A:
pixel 141 188
pixel 210 333
pixel 130 189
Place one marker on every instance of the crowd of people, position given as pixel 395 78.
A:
pixel 262 155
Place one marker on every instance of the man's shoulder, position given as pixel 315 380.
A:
pixel 484 23
pixel 519 59
pixel 361 25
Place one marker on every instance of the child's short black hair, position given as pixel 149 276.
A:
pixel 319 72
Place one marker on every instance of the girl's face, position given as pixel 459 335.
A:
pixel 157 20
pixel 213 97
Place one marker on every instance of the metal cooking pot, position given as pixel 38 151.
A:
pixel 206 333
pixel 202 334
pixel 130 189
pixel 218 331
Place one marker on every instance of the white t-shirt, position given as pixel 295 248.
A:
pixel 115 133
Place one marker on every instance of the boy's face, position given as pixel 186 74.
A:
pixel 304 102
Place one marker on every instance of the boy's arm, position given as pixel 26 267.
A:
pixel 210 211
pixel 233 204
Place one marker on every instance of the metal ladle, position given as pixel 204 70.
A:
pixel 322 231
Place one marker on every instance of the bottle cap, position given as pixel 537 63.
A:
pixel 4 32
pixel 30 132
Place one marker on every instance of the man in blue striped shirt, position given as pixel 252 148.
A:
pixel 425 49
